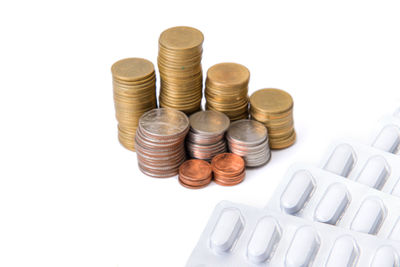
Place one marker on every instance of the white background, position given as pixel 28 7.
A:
pixel 70 195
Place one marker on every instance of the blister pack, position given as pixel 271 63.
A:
pixel 315 194
pixel 364 164
pixel 387 135
pixel 238 235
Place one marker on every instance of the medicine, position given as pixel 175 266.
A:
pixel 369 217
pixel 341 161
pixel 375 173
pixel 344 253
pixel 264 239
pixel 303 248
pixel 332 204
pixel 226 231
pixel 297 192
pixel 388 139
pixel 273 239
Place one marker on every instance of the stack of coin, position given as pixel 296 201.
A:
pixel 274 108
pixel 195 173
pixel 226 90
pixel 206 135
pixel 249 139
pixel 179 63
pixel 229 169
pixel 160 142
pixel 134 84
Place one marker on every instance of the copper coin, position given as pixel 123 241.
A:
pixel 196 169
pixel 227 163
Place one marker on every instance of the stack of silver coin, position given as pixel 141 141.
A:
pixel 249 139
pixel 206 135
pixel 160 142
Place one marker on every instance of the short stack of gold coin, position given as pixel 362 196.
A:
pixel 134 83
pixel 274 108
pixel 179 63
pixel 227 88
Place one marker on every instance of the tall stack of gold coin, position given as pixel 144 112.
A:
pixel 134 83
pixel 179 63
pixel 227 88
pixel 274 108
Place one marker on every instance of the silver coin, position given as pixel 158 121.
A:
pixel 247 132
pixel 164 123
pixel 209 122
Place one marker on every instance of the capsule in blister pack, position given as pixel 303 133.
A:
pixel 387 135
pixel 315 194
pixel 364 164
pixel 238 235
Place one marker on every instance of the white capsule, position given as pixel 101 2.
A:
pixel 396 189
pixel 385 257
pixel 374 173
pixel 395 233
pixel 369 217
pixel 332 204
pixel 344 253
pixel 297 192
pixel 303 248
pixel 226 230
pixel 341 161
pixel 264 239
pixel 388 139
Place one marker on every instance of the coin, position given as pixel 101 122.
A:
pixel 206 135
pixel 249 139
pixel 134 88
pixel 274 108
pixel 159 142
pixel 195 173
pixel 227 88
pixel 179 63
pixel 228 169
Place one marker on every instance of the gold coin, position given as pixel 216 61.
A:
pixel 181 38
pixel 271 100
pixel 132 69
pixel 228 74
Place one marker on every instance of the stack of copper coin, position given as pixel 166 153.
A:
pixel 274 108
pixel 206 135
pixel 179 63
pixel 226 90
pixel 229 169
pixel 195 173
pixel 160 140
pixel 134 84
pixel 249 139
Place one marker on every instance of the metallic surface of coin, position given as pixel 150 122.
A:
pixel 248 132
pixel 274 108
pixel 209 122
pixel 134 88
pixel 226 90
pixel 160 141
pixel 181 38
pixel 271 100
pixel 164 122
